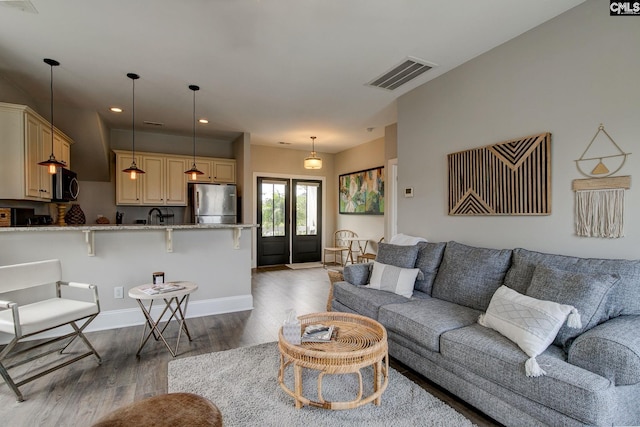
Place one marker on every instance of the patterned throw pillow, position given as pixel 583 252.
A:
pixel 393 279
pixel 531 323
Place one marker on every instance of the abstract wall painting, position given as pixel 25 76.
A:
pixel 508 178
pixel 362 192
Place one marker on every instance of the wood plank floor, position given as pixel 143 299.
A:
pixel 83 392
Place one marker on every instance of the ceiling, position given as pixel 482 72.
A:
pixel 281 70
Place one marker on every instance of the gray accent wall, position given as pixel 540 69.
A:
pixel 566 77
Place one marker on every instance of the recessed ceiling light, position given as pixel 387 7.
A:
pixel 116 109
pixel 203 121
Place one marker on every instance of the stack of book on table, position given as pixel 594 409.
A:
pixel 318 333
pixel 162 288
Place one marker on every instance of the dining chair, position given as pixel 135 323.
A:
pixel 368 256
pixel 340 246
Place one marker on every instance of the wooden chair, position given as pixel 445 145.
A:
pixel 368 256
pixel 27 320
pixel 340 246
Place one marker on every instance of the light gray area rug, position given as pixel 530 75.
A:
pixel 243 383
pixel 303 265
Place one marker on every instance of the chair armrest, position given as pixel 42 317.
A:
pixel 78 285
pixel 16 315
pixel 5 304
pixel 611 349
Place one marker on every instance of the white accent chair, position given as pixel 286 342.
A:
pixel 27 320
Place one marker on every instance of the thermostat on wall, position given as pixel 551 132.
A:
pixel 408 192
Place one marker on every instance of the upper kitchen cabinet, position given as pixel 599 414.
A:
pixel 26 141
pixel 128 191
pixel 164 181
pixel 215 170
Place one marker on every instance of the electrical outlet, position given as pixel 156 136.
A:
pixel 118 292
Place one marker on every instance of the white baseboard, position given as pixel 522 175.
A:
pixel 114 319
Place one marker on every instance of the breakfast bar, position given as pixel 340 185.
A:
pixel 116 258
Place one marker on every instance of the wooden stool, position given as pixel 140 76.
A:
pixel 174 409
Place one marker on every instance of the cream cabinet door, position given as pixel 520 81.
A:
pixel 205 166
pixel 62 149
pixel 127 189
pixel 176 181
pixel 153 192
pixel 38 138
pixel 224 171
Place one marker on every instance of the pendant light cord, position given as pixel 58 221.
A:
pixel 194 127
pixel 51 88
pixel 133 120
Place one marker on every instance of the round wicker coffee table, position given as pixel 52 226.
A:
pixel 360 342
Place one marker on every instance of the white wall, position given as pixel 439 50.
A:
pixel 566 76
pixel 128 257
pixel 364 156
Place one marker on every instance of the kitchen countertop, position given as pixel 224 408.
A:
pixel 129 227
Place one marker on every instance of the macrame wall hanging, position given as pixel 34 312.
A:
pixel 599 201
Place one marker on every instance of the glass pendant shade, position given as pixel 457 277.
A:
pixel 313 161
pixel 51 163
pixel 194 172
pixel 133 170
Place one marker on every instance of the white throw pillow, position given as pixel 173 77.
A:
pixel 406 240
pixel 393 279
pixel 531 323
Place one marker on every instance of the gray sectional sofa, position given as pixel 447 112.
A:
pixel 592 373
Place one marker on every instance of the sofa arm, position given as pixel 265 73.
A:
pixel 357 274
pixel 611 349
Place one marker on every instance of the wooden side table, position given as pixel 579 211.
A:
pixel 176 303
pixel 361 342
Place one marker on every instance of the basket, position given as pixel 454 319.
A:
pixel 5 217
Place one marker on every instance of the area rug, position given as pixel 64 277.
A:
pixel 303 265
pixel 243 383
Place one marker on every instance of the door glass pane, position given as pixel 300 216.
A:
pixel 306 210
pixel 273 209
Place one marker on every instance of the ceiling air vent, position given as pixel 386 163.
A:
pixel 147 122
pixel 23 5
pixel 403 73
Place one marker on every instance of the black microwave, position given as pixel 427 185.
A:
pixel 65 186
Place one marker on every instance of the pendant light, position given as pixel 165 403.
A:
pixel 313 161
pixel 133 170
pixel 52 163
pixel 194 172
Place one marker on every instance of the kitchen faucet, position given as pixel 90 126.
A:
pixel 159 215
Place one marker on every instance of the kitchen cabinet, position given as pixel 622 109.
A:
pixel 215 170
pixel 224 171
pixel 127 190
pixel 164 181
pixel 26 141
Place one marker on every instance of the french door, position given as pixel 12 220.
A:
pixel 289 214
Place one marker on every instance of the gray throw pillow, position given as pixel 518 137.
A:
pixel 623 299
pixel 428 261
pixel 469 276
pixel 399 256
pixel 587 292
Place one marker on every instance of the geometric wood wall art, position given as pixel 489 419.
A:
pixel 508 178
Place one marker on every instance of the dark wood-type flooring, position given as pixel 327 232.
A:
pixel 81 393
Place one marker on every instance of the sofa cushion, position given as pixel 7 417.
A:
pixel 469 276
pixel 624 298
pixel 364 300
pixel 424 320
pixel 587 292
pixel 428 261
pixel 566 388
pixel 531 323
pixel 393 279
pixel 357 274
pixel 400 256
pixel 611 350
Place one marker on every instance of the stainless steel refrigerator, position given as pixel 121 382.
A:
pixel 213 203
